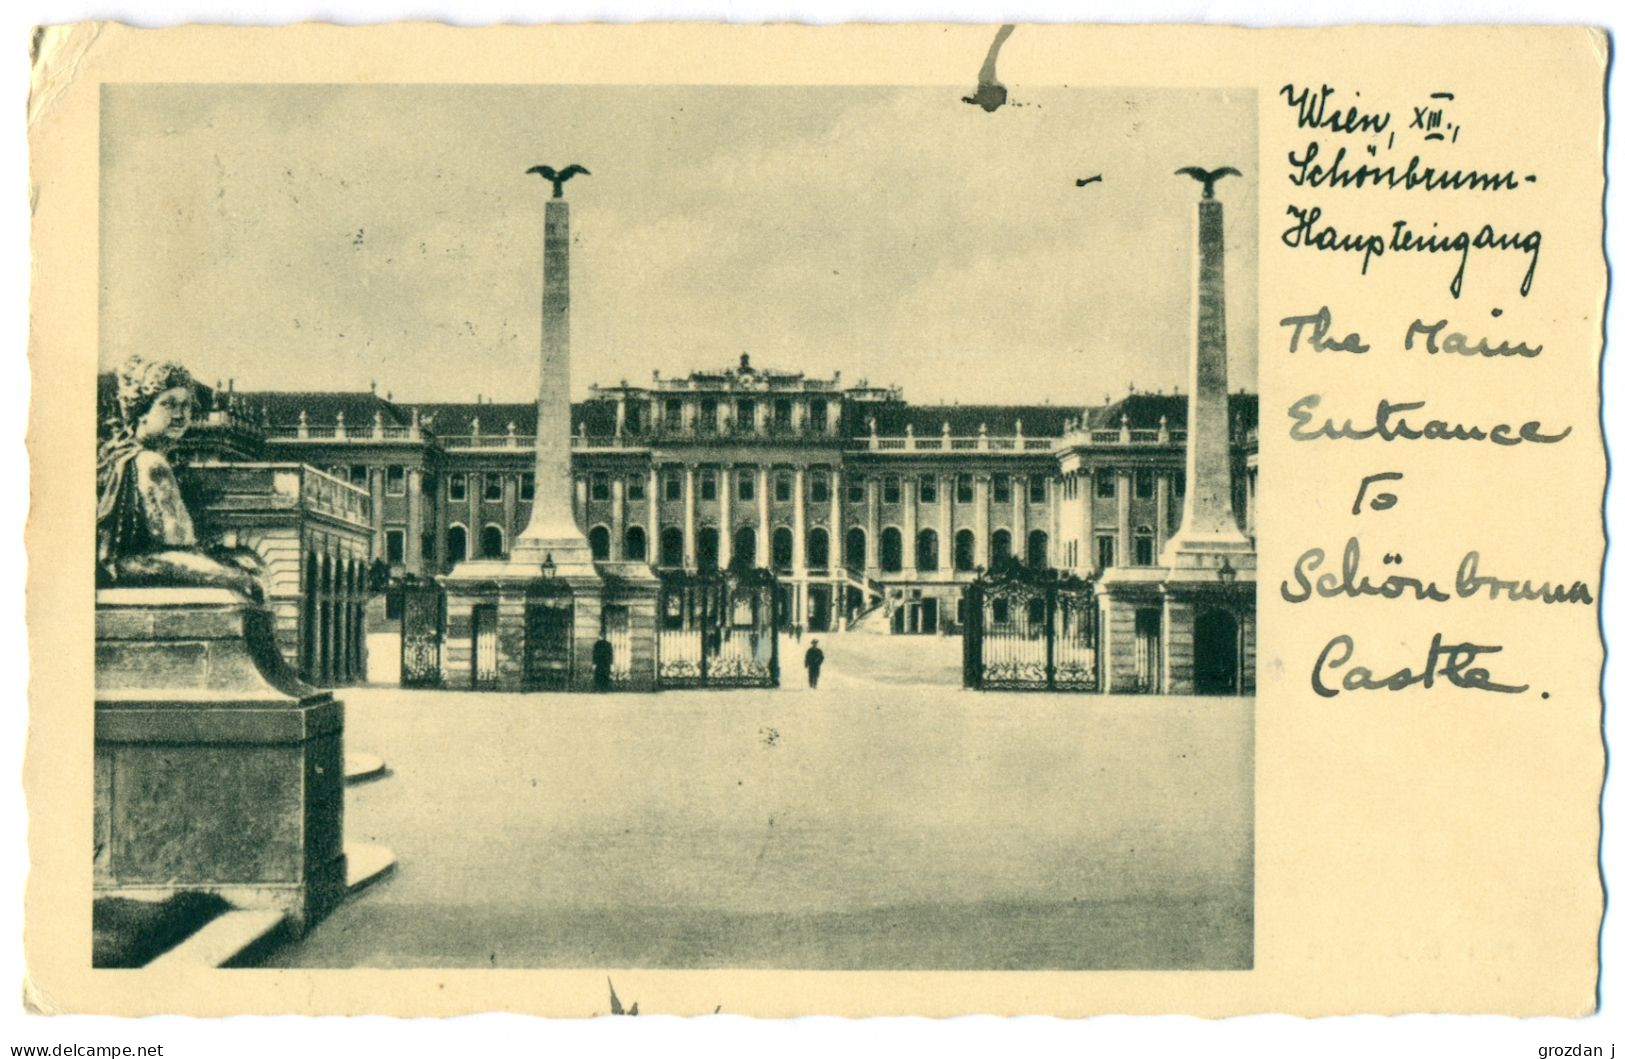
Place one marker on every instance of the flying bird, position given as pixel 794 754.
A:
pixel 1085 182
pixel 558 178
pixel 1207 177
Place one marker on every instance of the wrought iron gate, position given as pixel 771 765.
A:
pixel 1030 630
pixel 550 639
pixel 719 629
pixel 423 626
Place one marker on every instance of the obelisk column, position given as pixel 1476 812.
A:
pixel 553 527
pixel 1208 524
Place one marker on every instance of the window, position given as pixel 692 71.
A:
pixel 491 542
pixel 527 485
pixel 600 487
pixel 708 415
pixel 395 545
pixel 493 487
pixel 395 480
pixel 857 549
pixel 1001 546
pixel 671 546
pixel 854 490
pixel 783 548
pixel 745 414
pixel 708 485
pixel 1179 483
pixel 1001 488
pixel 745 546
pixel 1144 547
pixel 634 417
pixel 674 413
pixel 747 483
pixel 457 487
pixel 891 489
pixel 1038 549
pixel 928 489
pixel 456 544
pixel 1001 610
pixel 1105 484
pixel 1105 551
pixel 925 551
pixel 674 486
pixel 820 487
pixel 781 413
pixel 598 541
pixel 965 489
pixel 637 545
pixel 891 549
pixel 1035 488
pixel 706 543
pixel 964 550
pixel 358 474
pixel 819 416
pixel 818 548
pixel 634 487
pixel 781 487
pixel 1145 485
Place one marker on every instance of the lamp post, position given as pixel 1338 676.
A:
pixel 1232 597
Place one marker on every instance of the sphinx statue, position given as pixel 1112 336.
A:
pixel 144 534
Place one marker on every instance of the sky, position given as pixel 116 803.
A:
pixel 326 237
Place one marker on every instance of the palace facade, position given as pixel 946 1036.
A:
pixel 871 509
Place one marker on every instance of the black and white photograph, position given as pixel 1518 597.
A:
pixel 676 527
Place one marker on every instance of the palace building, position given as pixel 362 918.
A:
pixel 873 511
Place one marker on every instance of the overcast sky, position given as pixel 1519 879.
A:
pixel 321 237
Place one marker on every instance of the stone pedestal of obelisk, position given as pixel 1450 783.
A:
pixel 1181 626
pixel 530 621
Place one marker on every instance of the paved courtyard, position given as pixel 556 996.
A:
pixel 889 819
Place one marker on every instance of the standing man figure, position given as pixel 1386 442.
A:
pixel 815 662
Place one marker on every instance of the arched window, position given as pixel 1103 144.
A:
pixel 1038 549
pixel 491 542
pixel 891 549
pixel 671 546
pixel 637 544
pixel 818 548
pixel 964 550
pixel 745 546
pixel 706 543
pixel 925 551
pixel 457 544
pixel 857 549
pixel 783 548
pixel 598 541
pixel 1001 545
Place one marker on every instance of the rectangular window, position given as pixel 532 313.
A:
pixel 527 486
pixel 358 474
pixel 600 486
pixel 891 489
pixel 674 413
pixel 634 417
pixel 493 487
pixel 781 414
pixel 1179 483
pixel 1144 551
pixel 457 487
pixel 854 490
pixel 634 487
pixel 1105 549
pixel 819 416
pixel 395 545
pixel 1145 484
pixel 708 485
pixel 708 415
pixel 745 416
pixel 674 486
pixel 1035 488
pixel 1001 488
pixel 747 483
pixel 1105 483
pixel 928 489
pixel 965 489
pixel 820 488
pixel 395 480
pixel 781 487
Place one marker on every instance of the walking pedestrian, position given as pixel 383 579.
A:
pixel 814 662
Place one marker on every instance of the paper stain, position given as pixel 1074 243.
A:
pixel 990 95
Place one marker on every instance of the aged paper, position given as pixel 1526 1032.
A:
pixel 1398 812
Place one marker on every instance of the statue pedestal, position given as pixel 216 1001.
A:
pixel 216 769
